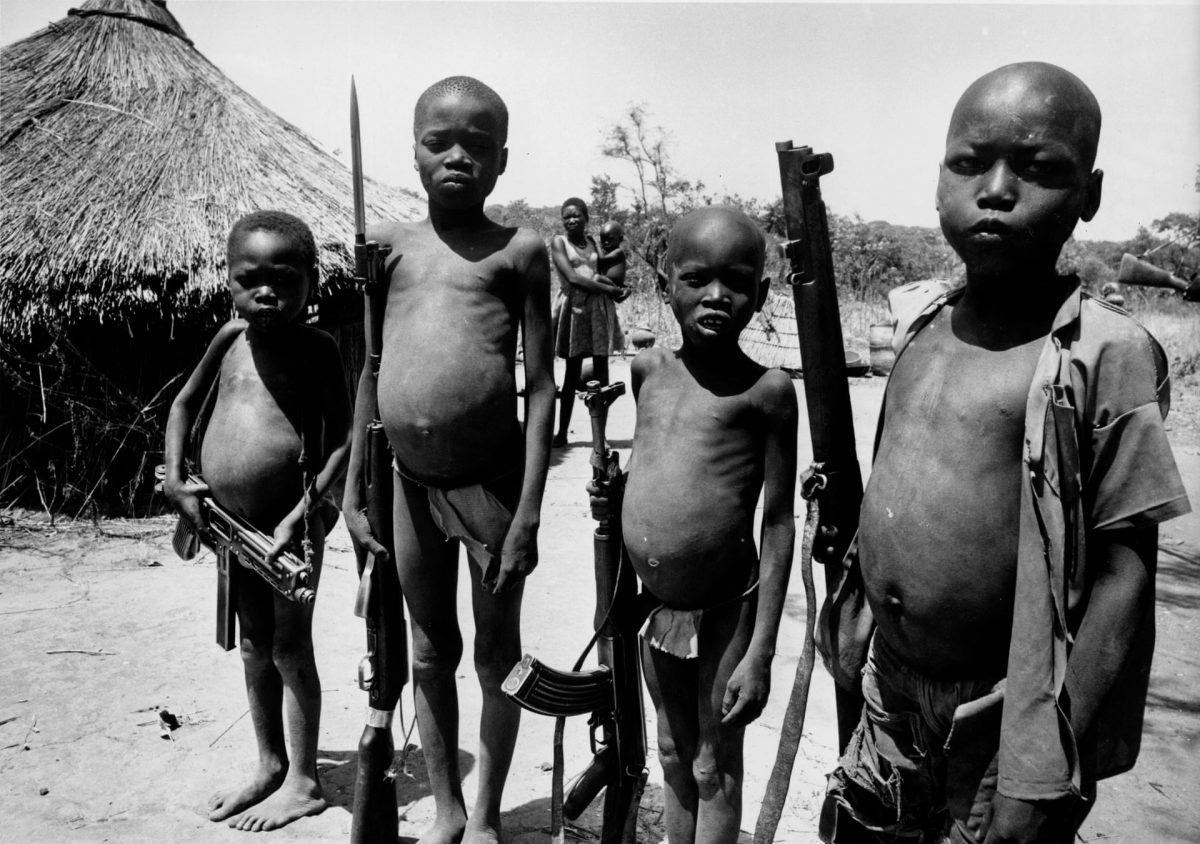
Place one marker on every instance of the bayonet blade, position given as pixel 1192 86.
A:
pixel 360 209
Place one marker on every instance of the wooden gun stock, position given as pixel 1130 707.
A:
pixel 826 388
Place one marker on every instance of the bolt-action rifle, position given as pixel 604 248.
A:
pixel 384 670
pixel 834 482
pixel 612 692
pixel 231 537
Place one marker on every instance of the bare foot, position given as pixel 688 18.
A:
pixel 445 831
pixel 225 804
pixel 480 833
pixel 294 800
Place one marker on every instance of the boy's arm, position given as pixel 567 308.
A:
pixel 519 555
pixel 336 433
pixel 591 283
pixel 1121 589
pixel 748 686
pixel 1118 602
pixel 185 496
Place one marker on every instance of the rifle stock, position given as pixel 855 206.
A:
pixel 826 388
pixel 383 672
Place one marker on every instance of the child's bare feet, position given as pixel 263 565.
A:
pixel 445 830
pixel 297 798
pixel 481 833
pixel 227 803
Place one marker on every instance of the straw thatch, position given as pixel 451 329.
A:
pixel 125 156
pixel 771 338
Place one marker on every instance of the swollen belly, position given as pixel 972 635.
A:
pixel 451 426
pixel 258 478
pixel 700 559
pixel 939 566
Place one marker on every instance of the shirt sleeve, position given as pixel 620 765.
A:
pixel 1133 481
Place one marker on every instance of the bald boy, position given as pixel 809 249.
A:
pixel 1009 526
pixel 466 471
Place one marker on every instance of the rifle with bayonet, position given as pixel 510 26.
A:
pixel 384 670
pixel 833 484
pixel 231 537
pixel 612 692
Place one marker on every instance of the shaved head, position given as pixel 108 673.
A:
pixel 464 87
pixel 1040 94
pixel 714 221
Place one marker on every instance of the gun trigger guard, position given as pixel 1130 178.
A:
pixel 366 674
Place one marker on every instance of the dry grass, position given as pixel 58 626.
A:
pixel 125 157
pixel 1176 325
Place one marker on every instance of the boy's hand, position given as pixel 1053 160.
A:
pixel 518 557
pixel 185 498
pixel 746 692
pixel 1013 821
pixel 606 503
pixel 360 532
pixel 286 535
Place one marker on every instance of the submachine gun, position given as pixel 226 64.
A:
pixel 384 670
pixel 611 692
pixel 833 484
pixel 231 537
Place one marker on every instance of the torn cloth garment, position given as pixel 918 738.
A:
pixel 471 515
pixel 677 632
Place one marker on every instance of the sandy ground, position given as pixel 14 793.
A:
pixel 103 627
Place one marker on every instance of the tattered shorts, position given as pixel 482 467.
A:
pixel 921 764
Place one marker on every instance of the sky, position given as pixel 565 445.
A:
pixel 873 84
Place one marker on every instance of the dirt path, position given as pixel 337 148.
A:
pixel 103 628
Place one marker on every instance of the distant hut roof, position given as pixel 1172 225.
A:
pixel 771 337
pixel 125 156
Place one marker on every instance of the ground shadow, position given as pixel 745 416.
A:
pixel 1178 582
pixel 338 769
pixel 529 823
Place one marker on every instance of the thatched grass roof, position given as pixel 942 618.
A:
pixel 125 156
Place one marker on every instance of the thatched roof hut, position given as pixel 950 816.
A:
pixel 125 156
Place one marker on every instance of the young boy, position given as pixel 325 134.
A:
pixel 611 260
pixel 280 422
pixel 1008 534
pixel 458 286
pixel 714 429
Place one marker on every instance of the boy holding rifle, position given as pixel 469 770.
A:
pixel 714 429
pixel 276 443
pixel 1008 533
pixel 457 287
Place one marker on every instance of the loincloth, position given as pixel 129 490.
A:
pixel 473 516
pixel 677 632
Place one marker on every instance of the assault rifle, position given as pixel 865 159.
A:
pixel 612 692
pixel 384 670
pixel 231 537
pixel 834 481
